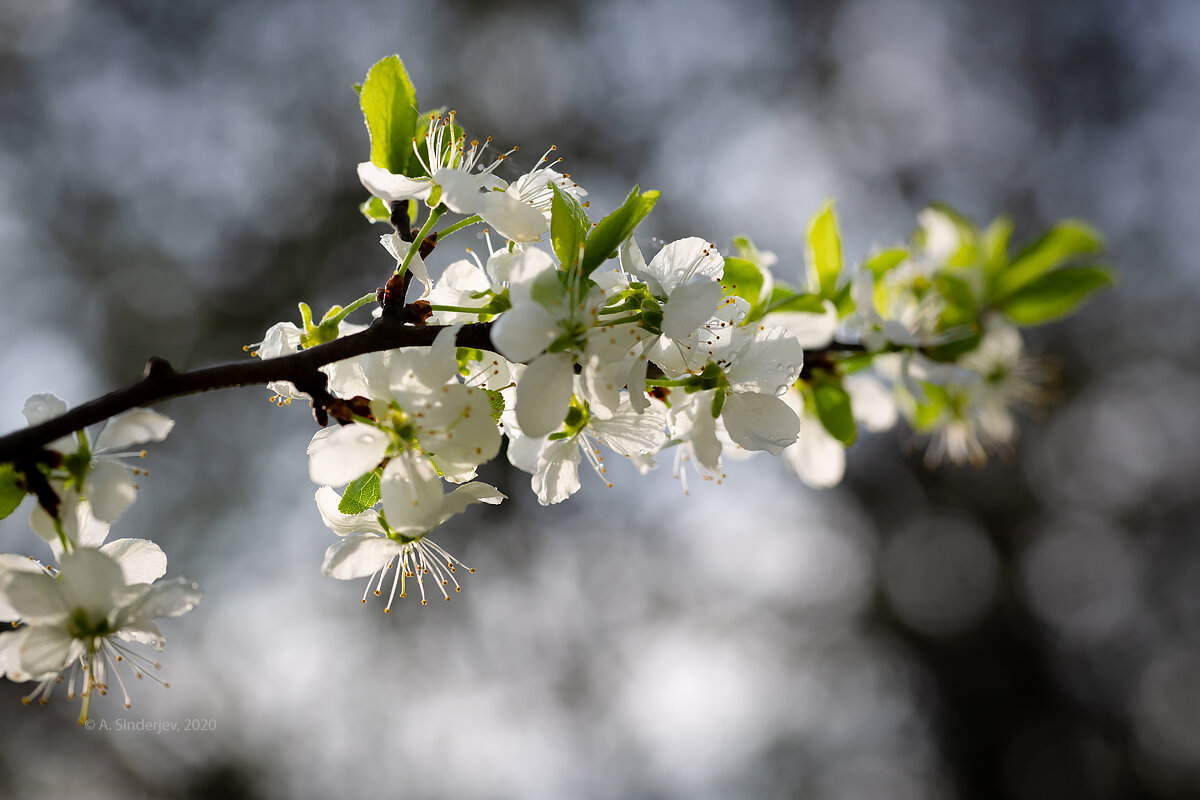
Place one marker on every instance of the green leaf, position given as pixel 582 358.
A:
pixel 885 260
pixel 389 104
pixel 825 250
pixel 1055 294
pixel 568 227
pixel 743 278
pixel 12 490
pixel 832 404
pixel 361 495
pixel 803 303
pixel 606 237
pixel 1066 241
pixel 375 210
pixel 995 246
pixel 967 254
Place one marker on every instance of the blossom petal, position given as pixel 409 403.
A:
pixel 871 402
pixel 358 556
pixel 813 331
pixel 398 248
pixel 140 560
pixel 760 421
pixel 690 306
pixel 469 493
pixel 35 598
pixel 544 393
pixel 557 475
pixel 338 456
pixel 389 187
pixel 412 494
pixel 110 488
pixel 684 260
pixel 12 564
pixel 46 649
pixel 43 407
pixel 136 426
pixel 513 219
pixel 817 458
pixel 521 334
pixel 92 581
pixel 345 524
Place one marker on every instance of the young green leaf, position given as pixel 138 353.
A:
pixel 995 246
pixel 375 210
pixel 1068 240
pixel 1055 294
pixel 825 250
pixel 361 494
pixel 832 404
pixel 606 237
pixel 568 227
pixel 11 490
pixel 389 104
pixel 743 278
pixel 885 260
pixel 803 303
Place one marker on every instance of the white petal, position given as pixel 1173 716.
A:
pixel 172 598
pixel 110 489
pixel 46 650
pixel 523 451
pixel 358 556
pixel 338 456
pixel 769 363
pixel 871 402
pixel 513 219
pixel 522 333
pixel 557 475
pixel 398 248
pixel 43 407
pixel 12 564
pixel 467 494
pixel 760 422
pixel 817 458
pixel 36 598
pixel 136 426
pixel 813 331
pixel 684 260
pixel 390 187
pixel 690 306
pixel 599 387
pixel 461 191
pixel 544 393
pixel 632 434
pixel 92 581
pixel 412 494
pixel 345 524
pixel 140 560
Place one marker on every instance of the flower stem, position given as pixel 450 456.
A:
pixel 463 309
pixel 434 215
pixel 624 320
pixel 664 382
pixel 458 226
pixel 355 306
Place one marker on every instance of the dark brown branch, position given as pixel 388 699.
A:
pixel 301 369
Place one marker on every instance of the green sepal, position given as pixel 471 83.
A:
pixel 389 105
pixel 362 494
pixel 1055 294
pixel 568 227
pixel 12 490
pixel 375 210
pixel 825 250
pixel 927 415
pixel 604 240
pixel 496 401
pixel 832 405
pixel 718 403
pixel 1065 242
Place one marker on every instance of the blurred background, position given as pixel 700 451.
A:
pixel 174 177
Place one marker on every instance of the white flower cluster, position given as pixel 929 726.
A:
pixel 582 349
pixel 80 616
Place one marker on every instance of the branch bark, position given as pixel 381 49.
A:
pixel 302 369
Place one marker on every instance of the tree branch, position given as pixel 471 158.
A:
pixel 302 369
